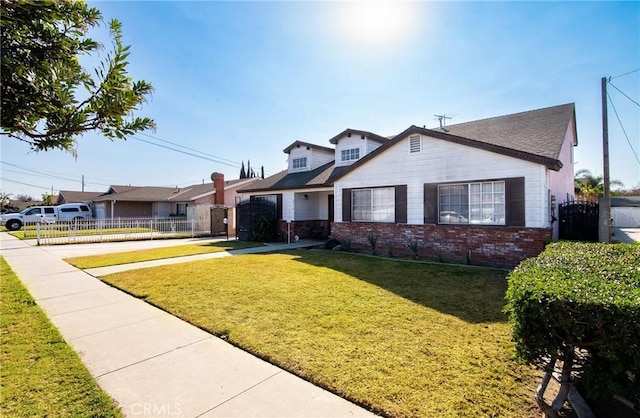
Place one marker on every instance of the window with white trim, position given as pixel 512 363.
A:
pixel 350 154
pixel 299 162
pixel 415 144
pixel 373 205
pixel 472 203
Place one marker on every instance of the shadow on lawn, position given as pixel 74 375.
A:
pixel 475 295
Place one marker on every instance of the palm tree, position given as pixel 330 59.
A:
pixel 590 186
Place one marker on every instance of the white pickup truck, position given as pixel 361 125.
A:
pixel 46 215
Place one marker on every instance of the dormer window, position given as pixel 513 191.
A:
pixel 350 154
pixel 299 162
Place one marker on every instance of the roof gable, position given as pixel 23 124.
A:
pixel 306 144
pixel 363 134
pixel 511 135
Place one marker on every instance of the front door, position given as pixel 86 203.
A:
pixel 330 212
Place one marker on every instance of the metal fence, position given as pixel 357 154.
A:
pixel 117 229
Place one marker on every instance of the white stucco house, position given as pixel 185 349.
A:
pixel 484 191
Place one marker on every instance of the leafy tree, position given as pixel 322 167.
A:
pixel 590 186
pixel 47 199
pixel 48 98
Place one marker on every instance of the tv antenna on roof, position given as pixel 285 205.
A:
pixel 443 120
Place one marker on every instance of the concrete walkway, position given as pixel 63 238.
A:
pixel 153 364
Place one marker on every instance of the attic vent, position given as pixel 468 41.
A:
pixel 415 144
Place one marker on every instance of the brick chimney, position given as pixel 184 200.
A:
pixel 218 186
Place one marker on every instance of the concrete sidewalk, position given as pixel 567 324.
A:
pixel 154 364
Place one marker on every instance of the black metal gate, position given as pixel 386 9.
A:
pixel 579 221
pixel 256 220
pixel 218 215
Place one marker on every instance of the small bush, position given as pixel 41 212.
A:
pixel 579 296
pixel 346 245
pixel 414 246
pixel 373 241
pixel 265 230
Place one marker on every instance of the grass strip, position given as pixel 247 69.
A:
pixel 41 375
pixel 127 257
pixel 405 339
pixel 59 233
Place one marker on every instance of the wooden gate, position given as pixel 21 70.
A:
pixel 256 220
pixel 218 215
pixel 579 221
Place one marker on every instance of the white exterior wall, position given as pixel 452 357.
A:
pixel 561 183
pixel 313 208
pixel 444 162
pixel 315 158
pixel 371 145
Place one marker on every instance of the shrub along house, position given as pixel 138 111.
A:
pixel 484 192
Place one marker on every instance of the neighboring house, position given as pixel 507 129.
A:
pixel 161 202
pixel 625 211
pixel 483 192
pixel 70 196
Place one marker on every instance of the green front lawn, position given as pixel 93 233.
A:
pixel 127 257
pixel 40 374
pixel 402 338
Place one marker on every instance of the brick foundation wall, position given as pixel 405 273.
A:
pixel 317 229
pixel 478 245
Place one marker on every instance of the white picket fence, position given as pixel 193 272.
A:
pixel 117 229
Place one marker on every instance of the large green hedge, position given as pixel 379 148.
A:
pixel 586 296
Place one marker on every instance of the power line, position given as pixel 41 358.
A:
pixel 216 158
pixel 184 152
pixel 623 130
pixel 25 184
pixel 622 75
pixel 191 149
pixel 38 172
pixel 637 104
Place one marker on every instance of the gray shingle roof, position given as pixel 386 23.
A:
pixel 535 135
pixel 71 196
pixel 320 177
pixel 539 132
pixel 164 194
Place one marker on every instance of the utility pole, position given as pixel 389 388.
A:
pixel 605 203
pixel 83 182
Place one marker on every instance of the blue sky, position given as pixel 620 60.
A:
pixel 242 80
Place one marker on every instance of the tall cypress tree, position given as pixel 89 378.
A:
pixel 243 173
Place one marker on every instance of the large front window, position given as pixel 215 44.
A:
pixel 373 205
pixel 472 203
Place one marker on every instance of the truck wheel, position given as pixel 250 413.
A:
pixel 14 225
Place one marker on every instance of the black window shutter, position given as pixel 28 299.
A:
pixel 401 204
pixel 279 206
pixel 346 205
pixel 431 203
pixel 514 196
